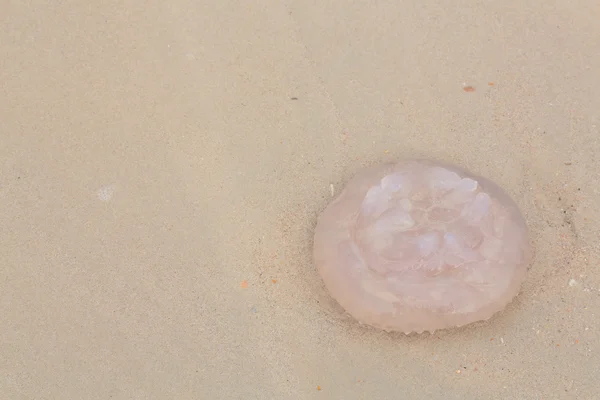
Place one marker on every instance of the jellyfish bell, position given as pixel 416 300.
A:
pixel 420 245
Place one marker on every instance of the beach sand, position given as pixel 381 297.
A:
pixel 162 165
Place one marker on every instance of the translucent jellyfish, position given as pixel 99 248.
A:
pixel 420 246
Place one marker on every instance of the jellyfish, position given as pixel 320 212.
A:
pixel 420 245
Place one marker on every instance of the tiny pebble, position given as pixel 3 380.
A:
pixel 572 282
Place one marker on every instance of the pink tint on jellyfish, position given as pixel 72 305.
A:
pixel 419 246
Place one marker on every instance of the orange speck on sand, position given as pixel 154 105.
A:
pixel 491 339
pixel 244 284
pixel 469 89
pixel 576 341
pixel 318 387
pixel 274 280
pixel 491 83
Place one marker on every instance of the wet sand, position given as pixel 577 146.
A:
pixel 162 166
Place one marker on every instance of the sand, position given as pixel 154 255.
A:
pixel 162 165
